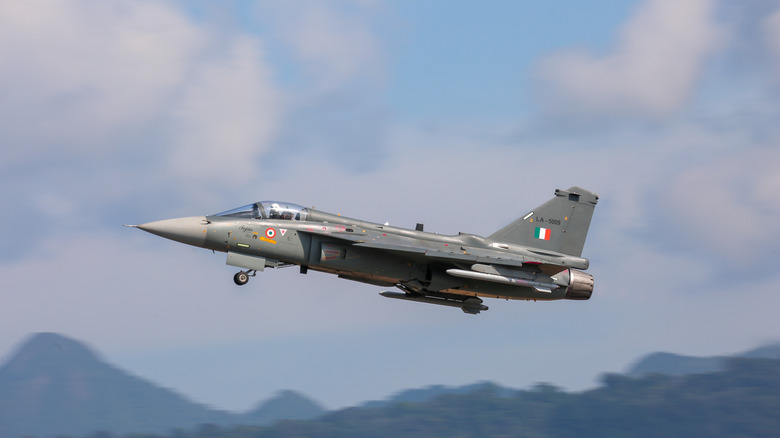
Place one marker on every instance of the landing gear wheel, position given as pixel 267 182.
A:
pixel 241 278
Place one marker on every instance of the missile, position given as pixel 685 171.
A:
pixel 469 305
pixel 495 278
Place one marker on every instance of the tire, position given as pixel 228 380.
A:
pixel 241 278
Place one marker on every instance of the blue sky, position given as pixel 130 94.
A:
pixel 461 115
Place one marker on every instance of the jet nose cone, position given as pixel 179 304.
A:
pixel 189 230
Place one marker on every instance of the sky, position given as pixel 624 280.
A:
pixel 460 115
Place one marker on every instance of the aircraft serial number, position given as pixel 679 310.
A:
pixel 549 221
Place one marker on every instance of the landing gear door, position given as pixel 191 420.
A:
pixel 314 245
pixel 245 261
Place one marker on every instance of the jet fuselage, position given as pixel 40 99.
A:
pixel 426 266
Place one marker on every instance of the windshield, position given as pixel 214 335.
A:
pixel 250 211
pixel 268 210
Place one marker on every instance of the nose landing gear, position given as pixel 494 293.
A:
pixel 242 277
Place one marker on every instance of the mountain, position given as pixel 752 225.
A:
pixel 678 365
pixel 287 405
pixel 771 351
pixel 741 400
pixel 429 393
pixel 54 385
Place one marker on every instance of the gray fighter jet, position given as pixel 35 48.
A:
pixel 536 257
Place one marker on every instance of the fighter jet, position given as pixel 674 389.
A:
pixel 536 257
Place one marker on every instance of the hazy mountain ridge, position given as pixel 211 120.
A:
pixel 679 365
pixel 428 393
pixel 286 405
pixel 741 400
pixel 54 385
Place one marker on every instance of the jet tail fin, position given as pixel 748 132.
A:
pixel 560 224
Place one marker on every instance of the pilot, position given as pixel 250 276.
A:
pixel 274 214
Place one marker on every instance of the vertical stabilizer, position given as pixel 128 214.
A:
pixel 560 224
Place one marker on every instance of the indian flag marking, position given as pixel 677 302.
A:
pixel 542 233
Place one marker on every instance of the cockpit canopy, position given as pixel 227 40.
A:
pixel 268 210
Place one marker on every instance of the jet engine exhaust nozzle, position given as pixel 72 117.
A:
pixel 580 285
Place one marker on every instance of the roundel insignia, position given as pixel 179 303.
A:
pixel 270 233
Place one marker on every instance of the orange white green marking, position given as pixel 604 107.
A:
pixel 542 233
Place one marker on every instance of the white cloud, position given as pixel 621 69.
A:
pixel 727 205
pixel 226 117
pixel 333 41
pixel 651 72
pixel 139 96
pixel 73 73
pixel 132 84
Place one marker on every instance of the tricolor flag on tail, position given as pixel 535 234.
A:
pixel 542 233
